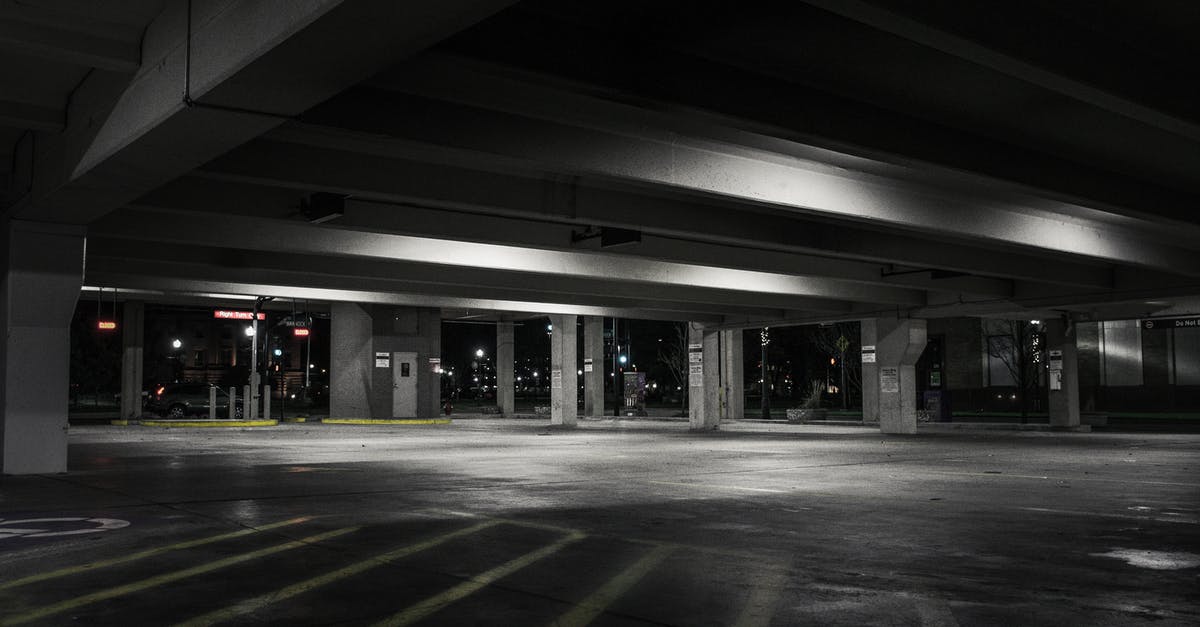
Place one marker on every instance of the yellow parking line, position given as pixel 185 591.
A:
pixel 259 602
pixel 72 570
pixel 209 424
pixel 465 589
pixel 166 578
pixel 760 607
pixel 588 609
pixel 386 421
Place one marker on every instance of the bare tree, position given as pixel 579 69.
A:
pixel 841 341
pixel 674 355
pixel 1018 345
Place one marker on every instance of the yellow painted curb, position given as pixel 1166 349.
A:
pixel 296 419
pixel 386 421
pixel 209 423
pixel 120 423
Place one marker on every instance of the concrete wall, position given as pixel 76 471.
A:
pixel 359 389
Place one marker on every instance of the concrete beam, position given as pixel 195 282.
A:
pixel 179 285
pixel 313 159
pixel 69 46
pixel 981 54
pixel 33 117
pixel 788 177
pixel 291 236
pixel 504 286
pixel 223 75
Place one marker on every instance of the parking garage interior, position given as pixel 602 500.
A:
pixel 984 212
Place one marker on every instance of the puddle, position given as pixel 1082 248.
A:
pixel 1155 560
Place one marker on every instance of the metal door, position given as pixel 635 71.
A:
pixel 404 385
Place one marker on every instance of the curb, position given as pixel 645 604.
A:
pixel 209 424
pixel 385 421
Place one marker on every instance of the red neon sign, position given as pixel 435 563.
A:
pixel 300 332
pixel 106 325
pixel 226 314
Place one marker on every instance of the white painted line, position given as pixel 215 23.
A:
pixel 716 486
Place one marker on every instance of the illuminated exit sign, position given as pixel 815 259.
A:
pixel 227 314
pixel 300 331
pixel 106 325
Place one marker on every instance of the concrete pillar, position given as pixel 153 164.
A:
pixel 733 404
pixel 350 360
pixel 594 370
pixel 1063 362
pixel 41 271
pixel 505 365
pixel 564 393
pixel 364 340
pixel 703 377
pixel 889 384
pixel 133 341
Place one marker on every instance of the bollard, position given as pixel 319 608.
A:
pixel 247 408
pixel 266 402
pixel 232 402
pixel 212 402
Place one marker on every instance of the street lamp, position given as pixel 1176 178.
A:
pixel 479 352
pixel 176 343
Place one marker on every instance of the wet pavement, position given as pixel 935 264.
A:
pixel 495 522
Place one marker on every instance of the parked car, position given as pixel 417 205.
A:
pixel 180 400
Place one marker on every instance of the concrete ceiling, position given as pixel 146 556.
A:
pixel 820 161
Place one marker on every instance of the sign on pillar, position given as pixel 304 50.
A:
pixel 889 379
pixel 695 365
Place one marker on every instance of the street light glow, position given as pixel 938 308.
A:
pixel 176 343
pixel 249 331
pixel 479 352
pixel 622 359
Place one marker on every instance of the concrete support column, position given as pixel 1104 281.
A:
pixel 564 393
pixel 365 340
pixel 1064 373
pixel 351 360
pixel 889 384
pixel 593 366
pixel 505 365
pixel 41 271
pixel 703 377
pixel 733 404
pixel 133 341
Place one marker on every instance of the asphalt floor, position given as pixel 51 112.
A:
pixel 511 522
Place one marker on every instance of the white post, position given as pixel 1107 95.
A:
pixel 212 402
pixel 247 407
pixel 266 402
pixel 232 402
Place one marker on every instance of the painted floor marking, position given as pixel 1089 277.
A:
pixel 764 598
pixel 588 609
pixel 1014 476
pixel 252 605
pixel 105 524
pixel 1072 512
pixel 469 587
pixel 934 613
pixel 72 570
pixel 716 486
pixel 158 580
